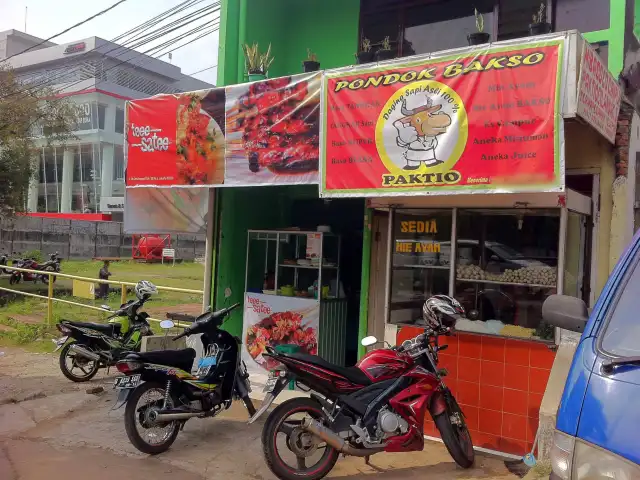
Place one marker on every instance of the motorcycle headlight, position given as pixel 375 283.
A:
pixel 590 462
pixel 562 455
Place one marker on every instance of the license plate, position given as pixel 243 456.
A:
pixel 270 385
pixel 131 381
pixel 205 365
pixel 60 342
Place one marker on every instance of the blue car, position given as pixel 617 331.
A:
pixel 597 432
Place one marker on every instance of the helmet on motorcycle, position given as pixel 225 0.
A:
pixel 441 310
pixel 145 289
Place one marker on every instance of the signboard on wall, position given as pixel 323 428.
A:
pixel 272 320
pixel 272 132
pixel 176 140
pixel 486 121
pixel 111 204
pixel 599 95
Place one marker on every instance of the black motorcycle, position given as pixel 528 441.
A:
pixel 100 345
pixel 161 393
pixel 52 265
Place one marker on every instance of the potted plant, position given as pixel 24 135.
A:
pixel 540 26
pixel 365 55
pixel 257 64
pixel 384 53
pixel 311 64
pixel 479 37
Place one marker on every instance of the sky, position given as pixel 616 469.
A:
pixel 46 18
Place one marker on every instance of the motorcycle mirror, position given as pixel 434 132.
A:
pixel 167 324
pixel 368 341
pixel 105 307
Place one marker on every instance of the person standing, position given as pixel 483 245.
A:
pixel 104 274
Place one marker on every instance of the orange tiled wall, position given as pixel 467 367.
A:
pixel 499 383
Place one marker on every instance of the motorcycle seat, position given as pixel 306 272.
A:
pixel 182 359
pixel 353 374
pixel 106 328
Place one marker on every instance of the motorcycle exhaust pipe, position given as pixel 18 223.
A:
pixel 171 417
pixel 83 352
pixel 335 441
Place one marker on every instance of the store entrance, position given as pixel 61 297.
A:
pixel 301 264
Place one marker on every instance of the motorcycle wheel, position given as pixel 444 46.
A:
pixel 89 368
pixel 138 415
pixel 45 278
pixel 301 445
pixel 455 435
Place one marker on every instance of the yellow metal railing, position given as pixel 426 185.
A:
pixel 50 298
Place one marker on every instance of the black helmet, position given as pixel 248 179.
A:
pixel 442 310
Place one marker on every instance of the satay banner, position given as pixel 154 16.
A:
pixel 485 121
pixel 176 140
pixel 272 132
pixel 272 320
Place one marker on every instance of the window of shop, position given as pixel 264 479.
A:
pixel 420 261
pixel 417 28
pixel 515 17
pixel 506 267
pixel 102 111
pixel 119 120
pixel 582 15
pixel 432 27
pixel 118 162
pixel 503 267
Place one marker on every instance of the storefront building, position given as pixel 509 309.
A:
pixel 486 173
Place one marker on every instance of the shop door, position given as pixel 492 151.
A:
pixel 576 281
pixel 378 274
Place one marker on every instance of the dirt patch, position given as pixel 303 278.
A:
pixel 30 319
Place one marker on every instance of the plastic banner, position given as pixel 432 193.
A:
pixel 176 140
pixel 480 121
pixel 271 320
pixel 164 210
pixel 272 132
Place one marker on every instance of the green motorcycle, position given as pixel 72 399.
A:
pixel 97 345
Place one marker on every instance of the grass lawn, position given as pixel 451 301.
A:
pixel 183 275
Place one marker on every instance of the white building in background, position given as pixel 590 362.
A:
pixel 86 175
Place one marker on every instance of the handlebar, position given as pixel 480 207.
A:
pixel 218 316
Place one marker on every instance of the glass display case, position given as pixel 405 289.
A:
pixel 500 263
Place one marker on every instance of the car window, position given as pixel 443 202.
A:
pixel 622 334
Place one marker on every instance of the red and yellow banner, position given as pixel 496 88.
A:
pixel 485 121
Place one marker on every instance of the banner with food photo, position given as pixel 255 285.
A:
pixel 176 140
pixel 272 321
pixel 473 121
pixel 272 132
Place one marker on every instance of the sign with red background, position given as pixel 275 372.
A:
pixel 176 140
pixel 486 121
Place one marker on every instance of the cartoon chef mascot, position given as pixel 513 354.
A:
pixel 418 130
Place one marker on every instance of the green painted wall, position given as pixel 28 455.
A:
pixel 328 27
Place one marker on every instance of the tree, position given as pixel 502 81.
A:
pixel 29 115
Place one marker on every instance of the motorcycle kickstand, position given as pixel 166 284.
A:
pixel 182 424
pixel 367 460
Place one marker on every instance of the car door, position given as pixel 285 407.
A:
pixel 610 415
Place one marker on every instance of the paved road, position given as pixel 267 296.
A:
pixel 72 433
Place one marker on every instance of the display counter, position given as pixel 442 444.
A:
pixel 293 296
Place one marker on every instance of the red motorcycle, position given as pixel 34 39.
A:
pixel 52 265
pixel 377 406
